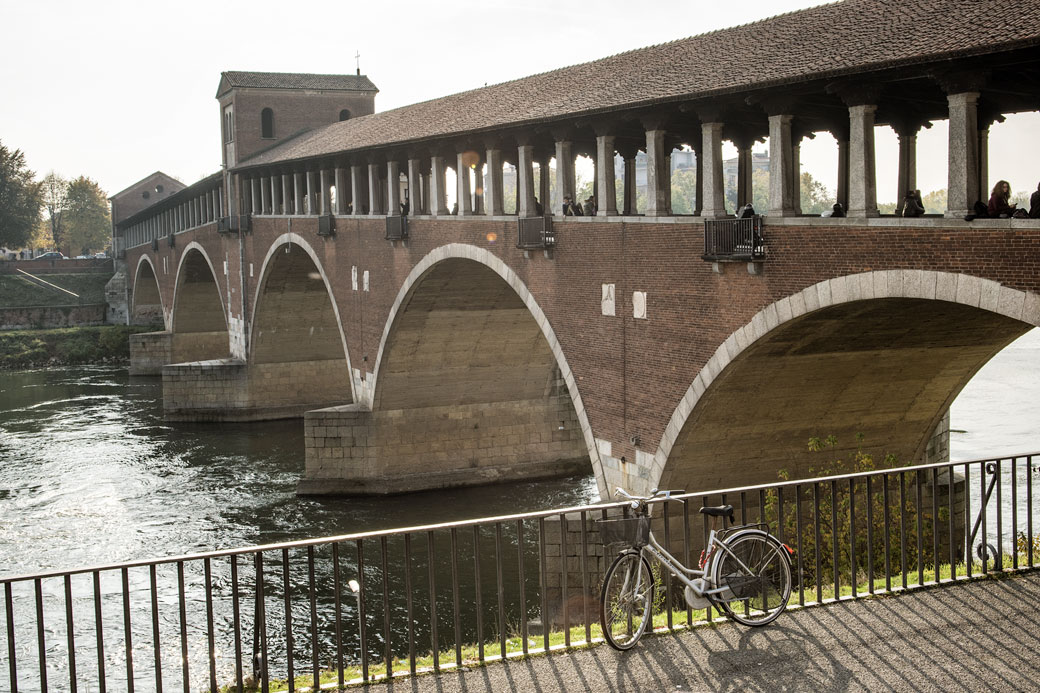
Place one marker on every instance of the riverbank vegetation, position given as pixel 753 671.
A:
pixel 24 349
pixel 18 292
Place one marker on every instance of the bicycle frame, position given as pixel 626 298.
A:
pixel 679 570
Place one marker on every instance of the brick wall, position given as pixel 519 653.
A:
pixel 43 317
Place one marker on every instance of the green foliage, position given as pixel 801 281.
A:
pixel 87 225
pixel 816 199
pixel 20 199
pixel 684 191
pixel 835 501
pixel 74 345
pixel 55 190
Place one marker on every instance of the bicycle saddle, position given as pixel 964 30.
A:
pixel 718 511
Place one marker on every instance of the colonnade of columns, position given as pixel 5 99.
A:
pixel 386 183
pixel 202 208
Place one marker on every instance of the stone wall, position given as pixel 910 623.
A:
pixel 149 352
pixel 44 317
pixel 354 450
pixel 229 390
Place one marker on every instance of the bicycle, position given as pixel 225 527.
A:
pixel 744 571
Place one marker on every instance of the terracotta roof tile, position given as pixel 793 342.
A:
pixel 832 40
pixel 294 80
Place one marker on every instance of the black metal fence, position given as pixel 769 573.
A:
pixel 734 239
pixel 534 233
pixel 362 605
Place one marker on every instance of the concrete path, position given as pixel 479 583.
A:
pixel 979 636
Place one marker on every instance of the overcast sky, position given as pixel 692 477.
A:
pixel 115 90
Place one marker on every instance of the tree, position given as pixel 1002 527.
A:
pixel 87 225
pixel 55 199
pixel 684 191
pixel 20 199
pixel 816 199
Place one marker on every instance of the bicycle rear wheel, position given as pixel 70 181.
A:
pixel 756 573
pixel 626 603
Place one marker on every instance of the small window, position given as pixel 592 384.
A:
pixel 146 194
pixel 228 131
pixel 344 114
pixel 267 124
pixel 159 188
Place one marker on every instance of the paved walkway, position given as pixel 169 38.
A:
pixel 979 636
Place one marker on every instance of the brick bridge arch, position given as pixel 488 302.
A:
pixel 198 317
pixel 298 348
pixel 470 385
pixel 883 353
pixel 146 305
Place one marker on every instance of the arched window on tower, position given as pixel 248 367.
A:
pixel 344 114
pixel 267 124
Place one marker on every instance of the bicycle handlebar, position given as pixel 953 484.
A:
pixel 654 495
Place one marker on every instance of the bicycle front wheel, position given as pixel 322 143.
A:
pixel 626 605
pixel 756 573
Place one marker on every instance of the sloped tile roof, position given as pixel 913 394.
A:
pixel 823 42
pixel 294 80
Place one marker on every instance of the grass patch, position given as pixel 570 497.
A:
pixel 22 349
pixel 18 292
pixel 680 619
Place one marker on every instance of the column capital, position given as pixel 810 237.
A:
pixel 910 124
pixel 856 93
pixel 958 82
pixel 744 138
pixel 774 104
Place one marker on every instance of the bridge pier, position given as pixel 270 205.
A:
pixel 231 390
pixel 353 450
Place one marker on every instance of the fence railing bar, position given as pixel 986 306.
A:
pixel 500 589
pixel 337 605
pixel 41 633
pixel 432 577
pixel 521 575
pixel 543 580
pixel 313 594
pixel 287 607
pixel 388 653
pixel 456 616
pixel 211 644
pixel 409 605
pixel 70 632
pixel 920 528
pixel 236 623
pixel 182 610
pixel 478 593
pixel 870 535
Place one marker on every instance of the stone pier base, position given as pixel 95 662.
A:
pixel 352 450
pixel 149 352
pixel 231 390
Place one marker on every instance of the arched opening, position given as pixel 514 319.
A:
pixel 344 114
pixel 199 324
pixel 267 124
pixel 297 359
pixel 146 305
pixel 887 369
pixel 468 391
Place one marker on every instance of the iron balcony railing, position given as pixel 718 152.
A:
pixel 535 233
pixel 397 227
pixel 734 239
pixel 364 605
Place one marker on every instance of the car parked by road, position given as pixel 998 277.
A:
pixel 52 255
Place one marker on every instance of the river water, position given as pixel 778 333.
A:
pixel 91 474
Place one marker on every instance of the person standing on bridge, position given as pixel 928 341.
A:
pixel 1034 204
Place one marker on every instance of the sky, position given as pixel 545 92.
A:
pixel 115 90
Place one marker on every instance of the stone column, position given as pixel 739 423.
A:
pixel 463 196
pixel 545 184
pixel 963 178
pixel 714 182
pixel 276 198
pixel 606 190
pixel 287 194
pixel 658 175
pixel 796 175
pixel 325 183
pixel 300 194
pixel 699 163
pixel 375 204
pixel 842 190
pixel 781 167
pixel 357 189
pixel 415 191
pixel 630 195
pixel 312 194
pixel 478 186
pixel 984 161
pixel 438 206
pixel 564 172
pixel 254 196
pixel 342 190
pixel 265 195
pixel 862 176
pixel 525 181
pixel 906 173
pixel 393 188
pixel 493 192
pixel 744 175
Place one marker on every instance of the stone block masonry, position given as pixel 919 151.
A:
pixel 352 450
